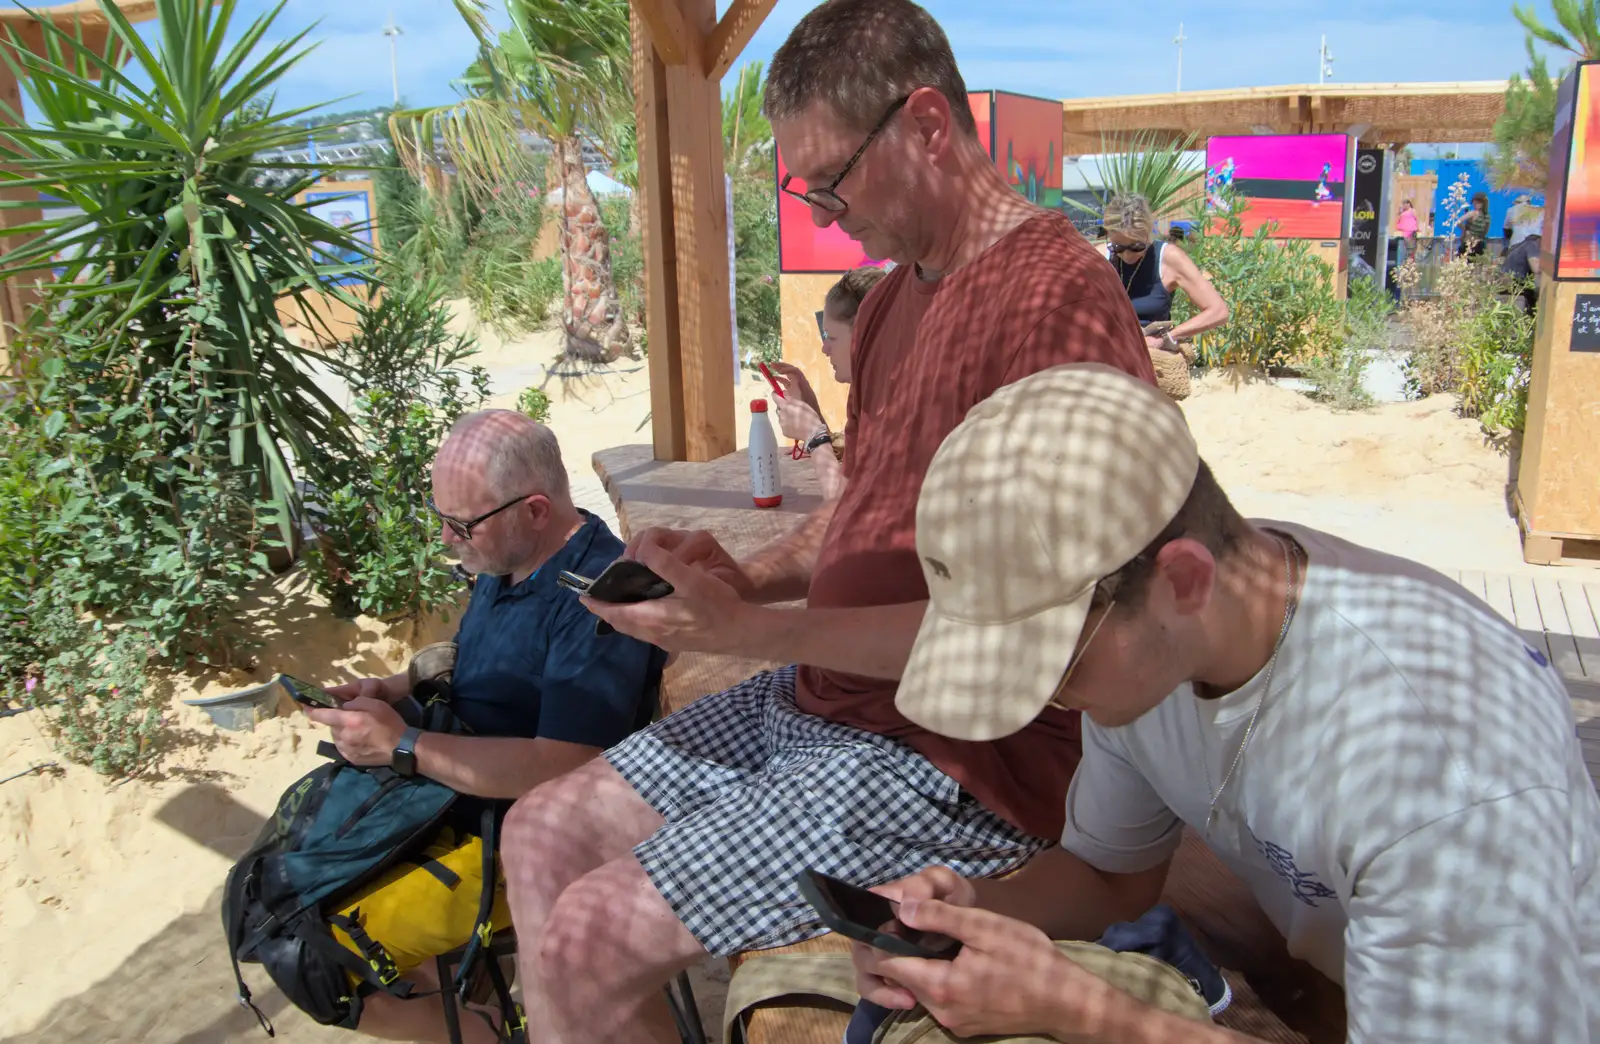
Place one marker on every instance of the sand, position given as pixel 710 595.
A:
pixel 109 893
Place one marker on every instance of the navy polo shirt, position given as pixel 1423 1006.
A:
pixel 528 662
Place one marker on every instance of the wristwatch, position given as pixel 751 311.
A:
pixel 404 760
pixel 821 438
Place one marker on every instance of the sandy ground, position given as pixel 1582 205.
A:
pixel 109 893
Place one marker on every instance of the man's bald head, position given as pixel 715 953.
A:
pixel 514 454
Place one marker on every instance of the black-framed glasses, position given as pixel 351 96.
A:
pixel 826 198
pixel 1129 248
pixel 464 529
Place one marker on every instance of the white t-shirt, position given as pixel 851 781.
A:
pixel 1413 811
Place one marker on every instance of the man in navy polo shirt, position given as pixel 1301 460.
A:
pixel 541 691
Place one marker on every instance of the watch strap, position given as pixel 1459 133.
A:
pixel 404 759
pixel 821 438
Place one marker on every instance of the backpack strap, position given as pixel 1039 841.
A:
pixel 234 896
pixel 482 928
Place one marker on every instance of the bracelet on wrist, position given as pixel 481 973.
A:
pixel 821 438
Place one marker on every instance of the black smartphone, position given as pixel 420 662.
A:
pixel 865 916
pixel 622 581
pixel 307 694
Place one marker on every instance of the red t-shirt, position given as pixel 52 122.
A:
pixel 924 353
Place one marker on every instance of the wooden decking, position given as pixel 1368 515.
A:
pixel 1560 617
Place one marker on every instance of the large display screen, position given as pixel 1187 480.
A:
pixel 1294 182
pixel 1577 204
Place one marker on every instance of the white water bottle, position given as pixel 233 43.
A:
pixel 766 485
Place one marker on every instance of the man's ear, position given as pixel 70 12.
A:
pixel 1190 570
pixel 539 511
pixel 931 117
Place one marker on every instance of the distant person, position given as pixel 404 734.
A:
pixel 1405 229
pixel 1522 264
pixel 1150 270
pixel 1475 228
pixel 799 414
pixel 1523 219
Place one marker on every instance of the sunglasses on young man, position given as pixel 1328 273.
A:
pixel 826 198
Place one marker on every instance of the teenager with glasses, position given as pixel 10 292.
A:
pixel 1151 271
pixel 1389 767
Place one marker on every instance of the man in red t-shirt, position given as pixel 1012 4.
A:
pixel 687 838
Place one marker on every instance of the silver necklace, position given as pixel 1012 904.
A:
pixel 1290 603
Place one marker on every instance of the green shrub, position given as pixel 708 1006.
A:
pixel 1282 309
pixel 535 403
pixel 1473 342
pixel 755 276
pixel 377 547
pixel 508 290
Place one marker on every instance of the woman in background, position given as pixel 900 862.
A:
pixel 1475 227
pixel 1151 270
pixel 1406 227
pixel 799 415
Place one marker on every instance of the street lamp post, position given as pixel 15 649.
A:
pixel 1179 39
pixel 393 32
pixel 1324 61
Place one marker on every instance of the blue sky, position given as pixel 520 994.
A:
pixel 1055 48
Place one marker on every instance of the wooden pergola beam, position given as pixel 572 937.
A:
pixel 733 33
pixel 674 41
pixel 680 52
pixel 1394 113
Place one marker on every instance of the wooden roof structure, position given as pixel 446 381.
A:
pixel 1376 113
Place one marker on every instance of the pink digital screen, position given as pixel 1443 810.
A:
pixel 1294 182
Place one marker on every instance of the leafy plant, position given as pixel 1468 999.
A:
pixel 746 134
pixel 1522 135
pixel 167 210
pixel 1280 295
pixel 1337 373
pixel 535 403
pixel 1150 164
pixel 755 274
pixel 1470 341
pixel 509 290
pixel 377 546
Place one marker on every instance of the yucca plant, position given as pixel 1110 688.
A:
pixel 562 70
pixel 1150 165
pixel 172 247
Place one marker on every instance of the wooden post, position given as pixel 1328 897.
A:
pixel 1558 477
pixel 700 233
pixel 664 346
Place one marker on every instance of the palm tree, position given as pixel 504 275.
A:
pixel 746 134
pixel 1148 165
pixel 563 71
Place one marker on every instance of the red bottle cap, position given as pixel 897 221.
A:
pixel 758 405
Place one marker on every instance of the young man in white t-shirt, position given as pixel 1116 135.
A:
pixel 1384 762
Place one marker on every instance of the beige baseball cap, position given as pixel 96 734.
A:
pixel 1049 485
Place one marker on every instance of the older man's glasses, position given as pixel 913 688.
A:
pixel 826 198
pixel 463 529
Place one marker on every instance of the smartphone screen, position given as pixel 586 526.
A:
pixel 626 580
pixel 306 693
pixel 868 917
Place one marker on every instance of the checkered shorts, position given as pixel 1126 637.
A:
pixel 755 791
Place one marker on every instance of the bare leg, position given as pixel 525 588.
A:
pixel 613 943
pixel 553 836
pixel 389 1018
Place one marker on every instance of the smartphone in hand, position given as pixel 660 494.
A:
pixel 306 694
pixel 624 580
pixel 865 916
